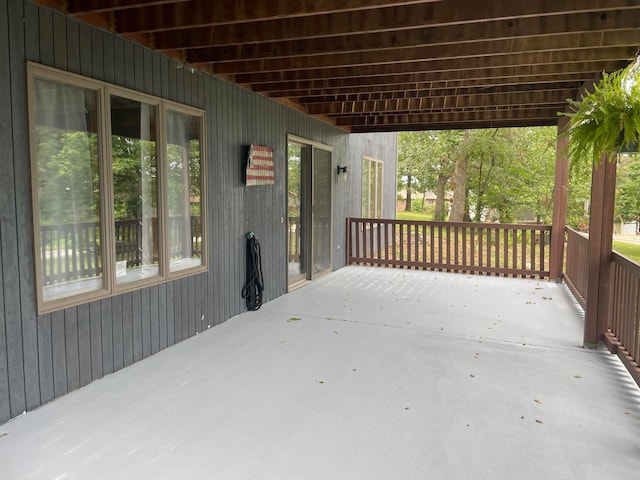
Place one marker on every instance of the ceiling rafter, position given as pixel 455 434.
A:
pixel 382 65
pixel 385 21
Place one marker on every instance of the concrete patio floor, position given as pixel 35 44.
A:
pixel 365 374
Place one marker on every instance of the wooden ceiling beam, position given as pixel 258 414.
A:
pixel 440 102
pixel 203 13
pixel 487 118
pixel 419 72
pixel 409 30
pixel 454 125
pixel 206 13
pixel 101 6
pixel 557 30
pixel 571 48
pixel 566 89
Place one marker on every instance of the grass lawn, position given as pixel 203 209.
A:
pixel 629 250
pixel 421 216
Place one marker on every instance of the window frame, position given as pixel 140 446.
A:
pixel 373 165
pixel 110 287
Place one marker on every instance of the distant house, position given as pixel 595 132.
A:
pixel 429 198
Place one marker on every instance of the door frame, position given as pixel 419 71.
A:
pixel 310 275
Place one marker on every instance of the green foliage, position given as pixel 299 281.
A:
pixel 628 189
pixel 579 195
pixel 608 118
pixel 509 171
pixel 68 176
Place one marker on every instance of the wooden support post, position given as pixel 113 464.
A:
pixel 560 194
pixel 603 186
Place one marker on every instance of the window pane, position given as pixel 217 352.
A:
pixel 68 183
pixel 378 213
pixel 365 189
pixel 183 190
pixel 135 189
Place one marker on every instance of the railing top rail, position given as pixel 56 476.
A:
pixel 521 226
pixel 576 232
pixel 628 264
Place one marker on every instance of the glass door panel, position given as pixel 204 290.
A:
pixel 299 156
pixel 321 234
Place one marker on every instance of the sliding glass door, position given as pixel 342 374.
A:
pixel 309 211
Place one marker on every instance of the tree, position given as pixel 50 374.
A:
pixel 506 174
pixel 459 204
pixel 426 160
pixel 413 148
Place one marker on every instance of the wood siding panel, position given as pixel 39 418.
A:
pixel 44 357
pixel 117 333
pixel 108 333
pixel 136 325
pixel 23 212
pixel 84 344
pixel 96 342
pixel 5 163
pixel 72 352
pixel 59 354
pixel 9 245
pixel 154 319
pixel 145 314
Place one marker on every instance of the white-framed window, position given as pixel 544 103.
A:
pixel 117 183
pixel 372 188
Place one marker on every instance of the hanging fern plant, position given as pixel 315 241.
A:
pixel 606 120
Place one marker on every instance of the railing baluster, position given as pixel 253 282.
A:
pixel 440 254
pixel 481 231
pixel 464 246
pixel 473 247
pixel 416 248
pixel 448 233
pixel 456 243
pixel 432 244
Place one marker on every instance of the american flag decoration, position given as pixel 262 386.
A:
pixel 260 166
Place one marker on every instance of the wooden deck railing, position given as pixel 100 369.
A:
pixel 623 334
pixel 493 249
pixel 72 251
pixel 575 273
pixel 623 337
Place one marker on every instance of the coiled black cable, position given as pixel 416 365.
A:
pixel 253 290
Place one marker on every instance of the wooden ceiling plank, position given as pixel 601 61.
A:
pixel 478 76
pixel 566 89
pixel 389 22
pixel 491 49
pixel 484 116
pixel 101 6
pixel 419 72
pixel 203 12
pixel 540 30
pixel 463 101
